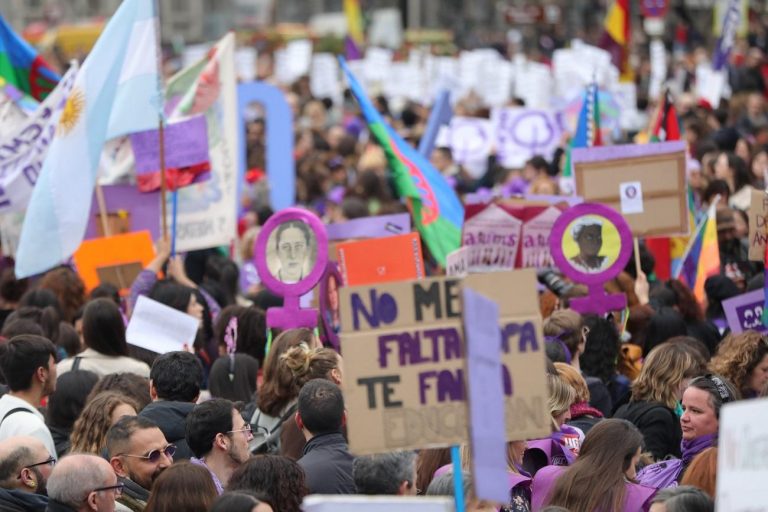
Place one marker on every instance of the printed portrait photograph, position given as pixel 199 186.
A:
pixel 291 251
pixel 591 244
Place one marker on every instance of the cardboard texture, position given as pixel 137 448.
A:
pixel 381 260
pixel 406 389
pixel 659 168
pixel 113 259
pixel 758 225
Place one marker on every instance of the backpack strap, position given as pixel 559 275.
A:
pixel 14 411
pixel 76 364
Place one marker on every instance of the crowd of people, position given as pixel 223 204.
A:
pixel 244 420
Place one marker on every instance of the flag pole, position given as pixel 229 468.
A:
pixel 102 210
pixel 163 185
pixel 160 120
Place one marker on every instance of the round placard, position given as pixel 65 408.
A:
pixel 590 243
pixel 291 252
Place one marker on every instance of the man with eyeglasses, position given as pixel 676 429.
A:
pixel 25 465
pixel 83 483
pixel 218 436
pixel 138 453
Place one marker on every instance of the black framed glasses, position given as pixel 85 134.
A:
pixel 117 488
pixel 154 455
pixel 50 460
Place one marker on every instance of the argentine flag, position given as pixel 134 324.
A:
pixel 116 92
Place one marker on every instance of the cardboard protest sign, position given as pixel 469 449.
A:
pixel 745 312
pixel 457 262
pixel 492 235
pixel 522 133
pixel 485 398
pixel 352 503
pixel 741 468
pixel 617 175
pixel 159 328
pixel 116 260
pixel 407 387
pixel 381 260
pixel 758 225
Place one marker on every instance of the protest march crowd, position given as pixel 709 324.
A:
pixel 250 408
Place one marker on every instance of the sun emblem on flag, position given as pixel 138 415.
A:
pixel 73 111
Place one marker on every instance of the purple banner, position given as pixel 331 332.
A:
pixel 370 227
pixel 731 20
pixel 139 210
pixel 186 144
pixel 745 312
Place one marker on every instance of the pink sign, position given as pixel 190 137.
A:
pixel 535 242
pixel 492 237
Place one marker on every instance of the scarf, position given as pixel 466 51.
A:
pixel 695 446
pixel 584 409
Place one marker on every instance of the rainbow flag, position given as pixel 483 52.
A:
pixel 587 134
pixel 436 210
pixel 702 257
pixel 354 21
pixel 22 67
pixel 616 37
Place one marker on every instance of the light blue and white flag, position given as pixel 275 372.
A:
pixel 116 92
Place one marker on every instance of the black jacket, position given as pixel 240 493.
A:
pixel 171 417
pixel 327 465
pixel 659 425
pixel 55 506
pixel 21 501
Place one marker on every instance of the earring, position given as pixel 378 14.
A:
pixel 32 484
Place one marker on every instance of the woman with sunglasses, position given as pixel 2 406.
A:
pixel 702 400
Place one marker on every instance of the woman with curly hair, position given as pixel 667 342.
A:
pixel 655 397
pixel 89 435
pixel 743 359
pixel 279 478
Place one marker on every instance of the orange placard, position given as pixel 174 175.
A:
pixel 114 259
pixel 381 260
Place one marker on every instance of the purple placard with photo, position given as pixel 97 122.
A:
pixel 371 227
pixel 143 209
pixel 574 223
pixel 745 312
pixel 186 143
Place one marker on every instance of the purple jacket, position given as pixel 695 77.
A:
pixel 636 499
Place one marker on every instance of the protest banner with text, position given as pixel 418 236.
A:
pixel 407 388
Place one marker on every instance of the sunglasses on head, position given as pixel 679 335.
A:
pixel 154 455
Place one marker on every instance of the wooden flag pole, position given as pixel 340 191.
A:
pixel 102 210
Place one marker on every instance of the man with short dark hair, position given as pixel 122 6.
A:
pixel 392 473
pixel 138 453
pixel 218 436
pixel 83 483
pixel 28 363
pixel 25 465
pixel 326 461
pixel 174 384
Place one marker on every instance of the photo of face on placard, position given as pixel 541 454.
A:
pixel 591 244
pixel 291 251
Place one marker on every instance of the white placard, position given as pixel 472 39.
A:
pixel 658 67
pixel 710 84
pixel 742 468
pixel 386 28
pixel 324 79
pixel 522 133
pixel 457 263
pixel 580 65
pixel 471 141
pixel 631 193
pixel 293 61
pixel 534 83
pixel 352 503
pixel 159 328
pixel 494 83
pixel 245 63
pixel 378 62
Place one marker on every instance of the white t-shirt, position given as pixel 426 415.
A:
pixel 102 365
pixel 24 423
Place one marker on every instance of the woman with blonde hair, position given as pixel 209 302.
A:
pixel 583 415
pixel 602 478
pixel 562 447
pixel 89 435
pixel 655 397
pixel 743 360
